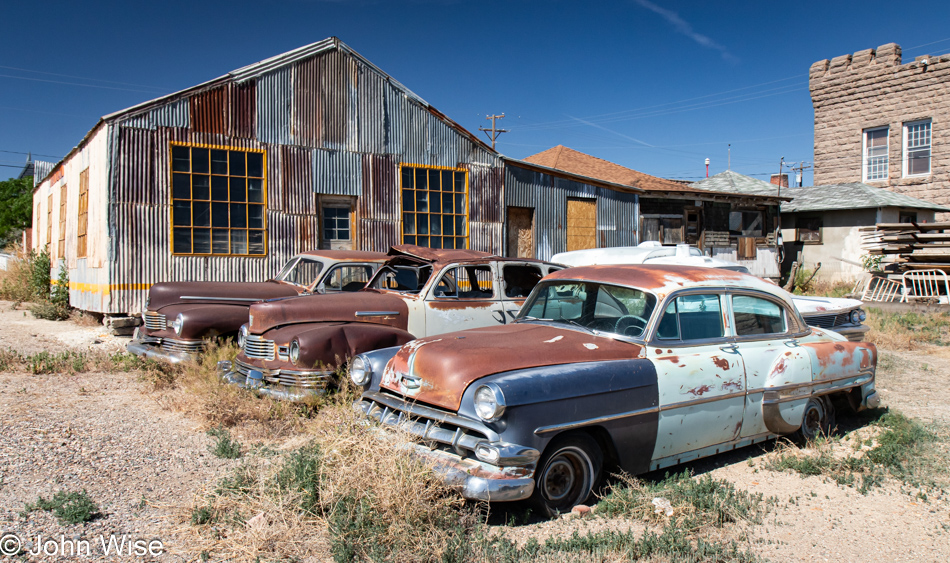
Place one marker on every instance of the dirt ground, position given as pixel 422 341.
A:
pixel 143 464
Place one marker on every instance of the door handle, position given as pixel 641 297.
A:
pixel 499 316
pixel 731 348
pixel 792 343
pixel 511 313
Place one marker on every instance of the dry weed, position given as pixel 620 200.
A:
pixel 908 330
pixel 14 282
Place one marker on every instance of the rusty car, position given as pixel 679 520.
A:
pixel 291 348
pixel 842 315
pixel 181 316
pixel 634 367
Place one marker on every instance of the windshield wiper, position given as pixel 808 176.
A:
pixel 579 325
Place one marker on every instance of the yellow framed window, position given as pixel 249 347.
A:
pixel 83 222
pixel 218 201
pixel 434 206
pixel 49 224
pixel 62 222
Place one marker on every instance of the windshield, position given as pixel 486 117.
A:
pixel 408 279
pixel 301 270
pixel 623 311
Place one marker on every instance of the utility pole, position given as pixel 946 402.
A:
pixel 781 163
pixel 494 131
pixel 800 169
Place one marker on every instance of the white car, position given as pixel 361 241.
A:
pixel 844 316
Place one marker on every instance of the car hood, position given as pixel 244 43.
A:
pixel 366 306
pixel 168 293
pixel 438 369
pixel 810 306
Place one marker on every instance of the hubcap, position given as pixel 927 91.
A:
pixel 813 421
pixel 567 476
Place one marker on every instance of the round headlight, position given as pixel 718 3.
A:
pixel 360 371
pixel 294 351
pixel 856 316
pixel 489 402
pixel 864 315
pixel 242 336
pixel 178 323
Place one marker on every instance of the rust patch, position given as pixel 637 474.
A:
pixel 780 367
pixel 721 363
pixel 788 353
pixel 453 305
pixel 839 347
pixel 698 391
pixel 673 359
pixel 731 385
pixel 669 351
pixel 659 351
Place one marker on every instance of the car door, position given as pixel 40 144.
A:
pixel 517 281
pixel 464 296
pixel 771 356
pixel 346 277
pixel 700 377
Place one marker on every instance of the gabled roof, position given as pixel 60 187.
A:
pixel 733 182
pixel 836 197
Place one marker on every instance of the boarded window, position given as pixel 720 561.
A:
pixel 666 229
pixel 218 201
pixel 62 222
pixel 809 230
pixel 581 224
pixel 521 232
pixel 745 223
pixel 49 224
pixel 434 206
pixel 83 222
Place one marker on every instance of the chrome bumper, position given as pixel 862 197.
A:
pixel 152 350
pixel 474 479
pixel 246 377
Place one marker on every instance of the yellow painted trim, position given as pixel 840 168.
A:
pixel 468 199
pixel 105 288
pixel 171 201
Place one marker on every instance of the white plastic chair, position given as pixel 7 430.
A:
pixel 882 290
pixel 926 285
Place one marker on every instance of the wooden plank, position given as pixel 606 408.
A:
pixel 581 224
pixel 521 232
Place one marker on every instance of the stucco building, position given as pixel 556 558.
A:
pixel 883 122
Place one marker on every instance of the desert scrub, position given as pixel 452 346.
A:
pixel 908 330
pixel 896 446
pixel 224 446
pixel 70 361
pixel 68 508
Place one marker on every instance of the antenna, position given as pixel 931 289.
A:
pixel 729 162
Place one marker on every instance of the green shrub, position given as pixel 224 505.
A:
pixel 224 447
pixel 69 508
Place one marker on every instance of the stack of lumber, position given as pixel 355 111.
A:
pixel 913 245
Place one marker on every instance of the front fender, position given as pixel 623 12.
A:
pixel 334 343
pixel 206 321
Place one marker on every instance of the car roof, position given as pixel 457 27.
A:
pixel 665 279
pixel 347 255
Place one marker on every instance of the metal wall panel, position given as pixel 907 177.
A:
pixel 242 111
pixel 335 99
pixel 172 114
pixel 274 102
pixel 295 193
pixel 308 115
pixel 396 117
pixel 374 126
pixel 443 144
pixel 485 192
pixel 381 199
pixel 134 164
pixel 337 172
pixel 207 111
pixel 140 121
pixel 485 237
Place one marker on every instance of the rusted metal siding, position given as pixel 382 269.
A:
pixel 337 173
pixel 274 103
pixel 293 191
pixel 135 172
pixel 242 110
pixel 374 124
pixel 208 110
pixel 337 78
pixel 173 114
pixel 378 210
pixel 308 114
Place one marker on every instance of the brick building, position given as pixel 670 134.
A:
pixel 884 123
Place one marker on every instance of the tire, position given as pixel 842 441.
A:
pixel 567 474
pixel 818 420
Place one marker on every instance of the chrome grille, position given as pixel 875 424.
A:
pixel 318 380
pixel 170 345
pixel 431 425
pixel 154 321
pixel 829 321
pixel 258 348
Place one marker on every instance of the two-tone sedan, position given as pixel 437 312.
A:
pixel 291 348
pixel 630 367
pixel 181 316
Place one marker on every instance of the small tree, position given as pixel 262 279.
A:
pixel 16 213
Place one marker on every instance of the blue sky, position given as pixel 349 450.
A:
pixel 655 86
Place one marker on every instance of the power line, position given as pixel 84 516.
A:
pixel 78 84
pixel 159 88
pixel 30 153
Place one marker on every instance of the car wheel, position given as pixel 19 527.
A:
pixel 819 419
pixel 567 474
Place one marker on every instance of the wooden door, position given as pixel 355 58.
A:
pixel 581 224
pixel 520 232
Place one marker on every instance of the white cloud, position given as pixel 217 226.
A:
pixel 683 27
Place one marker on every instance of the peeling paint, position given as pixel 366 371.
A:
pixel 590 346
pixel 721 363
pixel 555 339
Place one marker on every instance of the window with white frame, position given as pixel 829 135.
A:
pixel 917 148
pixel 875 154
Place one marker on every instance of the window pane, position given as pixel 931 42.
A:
pixel 409 240
pixel 255 190
pixel 238 215
pixel 421 182
pixel 447 180
pixel 423 224
pixel 407 182
pixel 435 203
pixel 182 186
pixel 199 160
pixel 255 242
pixel 435 242
pixel 700 316
pixel 460 181
pixel 448 225
pixel 757 316
pixel 434 180
pixel 219 241
pixel 180 159
pixel 422 241
pixel 255 165
pixel 408 201
pixel 219 214
pixel 447 203
pixel 202 240
pixel 219 162
pixel 460 226
pixel 181 214
pixel 238 189
pixel 182 240
pixel 236 163
pixel 343 234
pixel 409 223
pixel 200 187
pixel 460 204
pixel 422 201
pixel 255 216
pixel 201 215
pixel 219 188
pixel 238 242
pixel 435 224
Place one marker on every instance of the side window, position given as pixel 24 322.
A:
pixel 520 279
pixel 755 315
pixel 303 272
pixel 560 301
pixel 466 282
pixel 347 278
pixel 692 317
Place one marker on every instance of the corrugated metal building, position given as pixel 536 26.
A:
pixel 316 147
